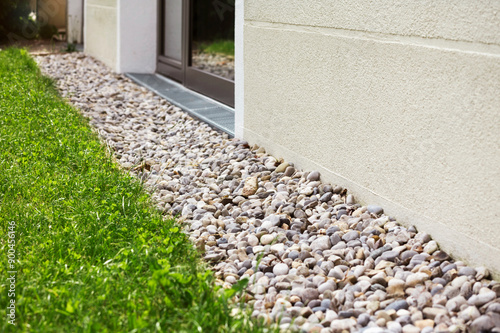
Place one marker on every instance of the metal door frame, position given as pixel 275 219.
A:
pixel 208 84
pixel 164 65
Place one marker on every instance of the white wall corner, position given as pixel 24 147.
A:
pixel 85 26
pixel 74 21
pixel 239 79
pixel 118 36
pixel 137 36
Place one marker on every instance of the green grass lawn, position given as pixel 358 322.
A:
pixel 225 47
pixel 92 255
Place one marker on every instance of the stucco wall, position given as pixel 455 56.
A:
pixel 137 36
pixel 398 101
pixel 100 37
pixel 122 34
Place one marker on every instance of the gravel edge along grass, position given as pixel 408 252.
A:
pixel 91 252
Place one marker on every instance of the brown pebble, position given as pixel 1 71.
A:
pixel 424 323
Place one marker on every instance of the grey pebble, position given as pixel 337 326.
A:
pixel 397 305
pixel 374 209
pixel 469 271
pixel 363 319
pixel 313 176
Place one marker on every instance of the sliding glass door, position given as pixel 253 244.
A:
pixel 197 46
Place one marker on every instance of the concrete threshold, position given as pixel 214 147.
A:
pixel 208 110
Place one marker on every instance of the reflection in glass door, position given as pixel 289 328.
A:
pixel 197 46
pixel 212 43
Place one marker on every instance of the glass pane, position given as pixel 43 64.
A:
pixel 212 44
pixel 172 40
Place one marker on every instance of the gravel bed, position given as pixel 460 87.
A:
pixel 316 260
pixel 214 63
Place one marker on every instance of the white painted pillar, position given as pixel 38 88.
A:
pixel 137 36
pixel 239 77
pixel 75 21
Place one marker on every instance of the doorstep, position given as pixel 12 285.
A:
pixel 208 110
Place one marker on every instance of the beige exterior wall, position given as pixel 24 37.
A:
pixel 100 37
pixel 398 101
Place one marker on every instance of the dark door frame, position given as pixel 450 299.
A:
pixel 208 84
pixel 167 66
